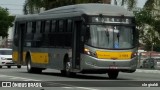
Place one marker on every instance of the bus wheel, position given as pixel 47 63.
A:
pixel 68 69
pixel 0 66
pixel 113 74
pixel 29 67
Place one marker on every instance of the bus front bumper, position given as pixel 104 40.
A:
pixel 89 63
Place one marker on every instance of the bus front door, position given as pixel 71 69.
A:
pixel 77 45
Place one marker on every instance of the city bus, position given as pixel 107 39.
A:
pixel 81 38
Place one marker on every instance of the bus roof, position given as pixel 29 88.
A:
pixel 91 9
pixel 79 9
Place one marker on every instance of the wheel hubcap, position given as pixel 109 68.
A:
pixel 29 65
pixel 68 66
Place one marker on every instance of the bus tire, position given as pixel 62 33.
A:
pixel 30 69
pixel 113 74
pixel 68 69
pixel 0 66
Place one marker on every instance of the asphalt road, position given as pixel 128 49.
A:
pixel 55 81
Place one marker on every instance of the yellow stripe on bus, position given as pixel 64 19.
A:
pixel 36 57
pixel 15 56
pixel 41 58
pixel 114 55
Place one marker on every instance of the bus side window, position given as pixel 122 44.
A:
pixel 33 27
pixel 53 26
pixel 69 28
pixel 29 34
pixel 61 26
pixel 45 35
pixel 57 26
pixel 47 26
pixel 38 35
pixel 65 25
pixel 42 26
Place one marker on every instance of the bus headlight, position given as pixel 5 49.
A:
pixel 88 52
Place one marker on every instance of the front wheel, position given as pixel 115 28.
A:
pixel 29 67
pixel 113 74
pixel 67 70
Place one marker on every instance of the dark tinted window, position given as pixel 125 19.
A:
pixel 47 26
pixel 38 26
pixel 5 52
pixel 53 26
pixel 69 28
pixel 60 25
pixel 42 26
pixel 29 27
pixel 33 27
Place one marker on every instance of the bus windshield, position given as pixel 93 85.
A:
pixel 113 37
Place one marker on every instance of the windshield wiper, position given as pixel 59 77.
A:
pixel 107 34
pixel 118 37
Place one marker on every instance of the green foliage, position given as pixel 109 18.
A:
pixel 33 6
pixel 143 17
pixel 5 22
pixel 148 27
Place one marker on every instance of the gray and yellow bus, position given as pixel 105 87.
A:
pixel 82 38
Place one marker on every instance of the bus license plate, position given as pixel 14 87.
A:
pixel 113 67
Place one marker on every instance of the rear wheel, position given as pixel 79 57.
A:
pixel 31 69
pixel 67 69
pixel 113 74
pixel 0 66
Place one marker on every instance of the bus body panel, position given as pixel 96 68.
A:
pixel 91 63
pixel 53 56
pixel 45 57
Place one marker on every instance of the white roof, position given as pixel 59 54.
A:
pixel 5 49
pixel 78 10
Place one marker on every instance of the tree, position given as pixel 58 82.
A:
pixel 130 3
pixel 5 22
pixel 153 32
pixel 148 24
pixel 33 6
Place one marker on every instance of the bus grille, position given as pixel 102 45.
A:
pixel 9 58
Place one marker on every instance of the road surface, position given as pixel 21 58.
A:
pixel 55 81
